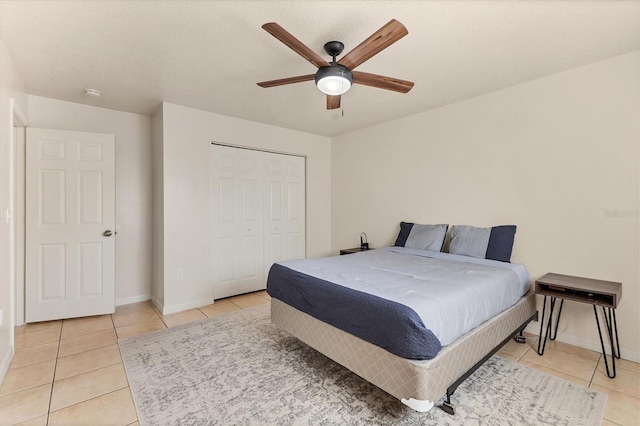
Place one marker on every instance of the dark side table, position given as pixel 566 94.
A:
pixel 606 294
pixel 353 250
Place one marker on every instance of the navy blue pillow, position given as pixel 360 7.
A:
pixel 405 229
pixel 501 243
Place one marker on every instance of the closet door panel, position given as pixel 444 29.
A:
pixel 295 184
pixel 274 223
pixel 285 220
pixel 249 258
pixel 274 212
pixel 295 244
pixel 293 202
pixel 225 264
pixel 238 233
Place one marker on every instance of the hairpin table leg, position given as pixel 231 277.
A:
pixel 550 332
pixel 612 332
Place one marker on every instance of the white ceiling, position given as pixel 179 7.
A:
pixel 210 54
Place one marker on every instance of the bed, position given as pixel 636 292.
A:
pixel 347 308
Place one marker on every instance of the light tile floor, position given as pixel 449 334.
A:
pixel 70 371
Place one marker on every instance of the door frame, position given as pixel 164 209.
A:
pixel 18 144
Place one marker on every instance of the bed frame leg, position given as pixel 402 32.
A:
pixel 520 338
pixel 448 408
pixel 420 405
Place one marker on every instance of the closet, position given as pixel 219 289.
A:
pixel 258 216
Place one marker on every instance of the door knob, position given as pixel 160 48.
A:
pixel 107 233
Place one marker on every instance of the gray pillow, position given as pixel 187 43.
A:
pixel 494 243
pixel 422 237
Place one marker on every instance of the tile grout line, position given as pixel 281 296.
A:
pixel 161 316
pixel 55 367
pixel 237 306
pixel 557 370
pixel 91 399
pixel 115 330
pixel 595 370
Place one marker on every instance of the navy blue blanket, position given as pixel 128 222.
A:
pixel 390 325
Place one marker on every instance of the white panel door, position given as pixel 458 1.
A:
pixel 70 224
pixel 238 234
pixel 284 208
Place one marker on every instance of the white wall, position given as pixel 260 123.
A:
pixel 133 183
pixel 12 94
pixel 556 156
pixel 187 137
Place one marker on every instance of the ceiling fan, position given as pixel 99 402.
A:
pixel 336 78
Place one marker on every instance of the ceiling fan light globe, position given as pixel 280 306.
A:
pixel 334 80
pixel 334 85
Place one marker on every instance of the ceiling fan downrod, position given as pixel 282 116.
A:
pixel 334 48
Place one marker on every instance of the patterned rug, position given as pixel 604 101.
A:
pixel 241 369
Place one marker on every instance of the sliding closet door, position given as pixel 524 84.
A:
pixel 238 233
pixel 284 208
pixel 258 216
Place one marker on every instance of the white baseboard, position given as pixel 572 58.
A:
pixel 4 367
pixel 133 299
pixel 594 345
pixel 184 306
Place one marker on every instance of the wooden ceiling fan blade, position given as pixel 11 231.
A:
pixel 382 82
pixel 333 102
pixel 294 44
pixel 391 32
pixel 288 80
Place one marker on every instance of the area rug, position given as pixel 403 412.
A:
pixel 239 368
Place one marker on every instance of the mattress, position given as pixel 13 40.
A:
pixel 432 296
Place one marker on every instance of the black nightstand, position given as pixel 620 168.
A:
pixel 353 250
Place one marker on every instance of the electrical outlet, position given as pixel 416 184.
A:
pixel 180 273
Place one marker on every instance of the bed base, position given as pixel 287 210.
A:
pixel 517 335
pixel 417 383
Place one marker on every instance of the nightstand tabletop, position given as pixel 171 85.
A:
pixel 353 250
pixel 580 289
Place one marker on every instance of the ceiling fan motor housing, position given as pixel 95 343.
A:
pixel 334 70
